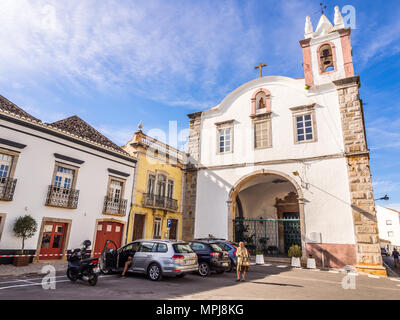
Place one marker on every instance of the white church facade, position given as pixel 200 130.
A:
pixel 283 161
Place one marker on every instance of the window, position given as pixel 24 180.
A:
pixel 157 228
pixel 388 222
pixel 326 58
pixel 261 134
pixel 115 191
pixel 5 165
pixel 224 140
pixel 146 247
pixel 304 128
pixel 64 178
pixel 390 233
pixel 196 246
pixel 161 181
pixel 161 247
pixel 150 184
pixel 170 190
pixel 182 248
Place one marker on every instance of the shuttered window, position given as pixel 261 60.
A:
pixel 261 134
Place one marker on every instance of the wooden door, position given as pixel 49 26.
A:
pixel 53 240
pixel 107 231
pixel 173 231
pixel 138 227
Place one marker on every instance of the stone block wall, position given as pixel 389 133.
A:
pixel 189 210
pixel 362 200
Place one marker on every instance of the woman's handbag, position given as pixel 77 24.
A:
pixel 246 262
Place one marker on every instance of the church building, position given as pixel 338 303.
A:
pixel 283 161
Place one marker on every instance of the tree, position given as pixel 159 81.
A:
pixel 25 227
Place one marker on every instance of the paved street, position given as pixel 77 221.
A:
pixel 263 282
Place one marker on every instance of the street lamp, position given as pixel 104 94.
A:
pixel 386 198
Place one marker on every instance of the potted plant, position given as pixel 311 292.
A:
pixel 295 253
pixel 25 227
pixel 259 257
pixel 311 262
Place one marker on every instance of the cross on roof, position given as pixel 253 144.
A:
pixel 260 66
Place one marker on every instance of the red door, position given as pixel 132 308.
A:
pixel 53 240
pixel 107 231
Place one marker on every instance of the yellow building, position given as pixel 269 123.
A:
pixel 158 189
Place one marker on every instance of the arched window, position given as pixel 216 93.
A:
pixel 326 58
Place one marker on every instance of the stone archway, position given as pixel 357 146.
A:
pixel 266 196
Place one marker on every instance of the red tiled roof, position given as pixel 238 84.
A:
pixel 79 127
pixel 7 105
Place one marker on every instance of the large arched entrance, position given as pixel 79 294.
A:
pixel 267 211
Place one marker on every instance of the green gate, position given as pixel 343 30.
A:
pixel 268 235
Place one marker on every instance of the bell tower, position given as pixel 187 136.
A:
pixel 327 52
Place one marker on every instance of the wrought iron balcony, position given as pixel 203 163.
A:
pixel 114 206
pixel 7 188
pixel 159 202
pixel 63 198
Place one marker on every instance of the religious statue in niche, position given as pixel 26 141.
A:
pixel 261 104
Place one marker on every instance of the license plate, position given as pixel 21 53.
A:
pixel 189 261
pixel 225 264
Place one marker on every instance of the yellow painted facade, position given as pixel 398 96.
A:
pixel 160 160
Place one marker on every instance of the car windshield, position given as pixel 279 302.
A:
pixel 217 247
pixel 182 248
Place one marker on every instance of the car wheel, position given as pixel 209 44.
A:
pixel 154 272
pixel 204 269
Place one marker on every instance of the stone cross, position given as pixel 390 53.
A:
pixel 260 66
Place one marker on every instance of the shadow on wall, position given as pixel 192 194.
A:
pixel 334 255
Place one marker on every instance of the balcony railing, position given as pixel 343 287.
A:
pixel 64 198
pixel 7 188
pixel 114 206
pixel 160 202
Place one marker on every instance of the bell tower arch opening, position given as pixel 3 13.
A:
pixel 268 214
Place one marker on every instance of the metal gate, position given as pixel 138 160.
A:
pixel 268 235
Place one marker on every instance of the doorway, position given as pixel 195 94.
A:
pixel 53 240
pixel 138 227
pixel 173 230
pixel 107 230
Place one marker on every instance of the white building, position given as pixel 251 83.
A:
pixel 279 148
pixel 71 179
pixel 389 226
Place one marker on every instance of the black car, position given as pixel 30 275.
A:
pixel 211 257
pixel 227 246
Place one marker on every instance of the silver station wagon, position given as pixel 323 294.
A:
pixel 156 258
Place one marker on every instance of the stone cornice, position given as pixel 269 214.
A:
pixel 347 82
pixel 303 108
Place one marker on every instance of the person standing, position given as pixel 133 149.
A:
pixel 243 261
pixel 395 255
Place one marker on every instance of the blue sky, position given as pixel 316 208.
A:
pixel 156 61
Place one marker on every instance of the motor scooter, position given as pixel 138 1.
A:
pixel 80 267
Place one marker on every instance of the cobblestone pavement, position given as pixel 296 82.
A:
pixel 269 281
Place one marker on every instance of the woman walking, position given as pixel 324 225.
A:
pixel 243 262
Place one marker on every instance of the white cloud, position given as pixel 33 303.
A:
pixel 155 49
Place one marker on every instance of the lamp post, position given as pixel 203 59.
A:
pixel 385 197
